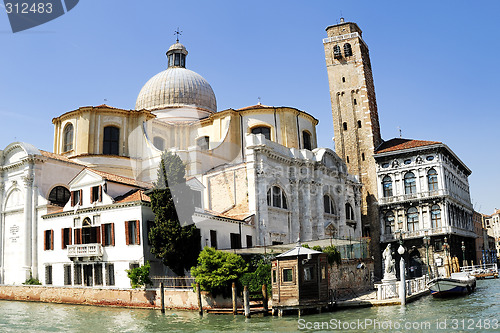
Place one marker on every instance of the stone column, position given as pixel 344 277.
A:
pixel 295 224
pixel 2 250
pixel 28 216
pixel 306 205
pixel 320 211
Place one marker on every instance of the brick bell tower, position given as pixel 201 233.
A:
pixel 355 118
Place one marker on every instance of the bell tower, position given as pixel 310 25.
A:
pixel 355 117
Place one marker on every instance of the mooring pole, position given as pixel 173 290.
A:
pixel 162 297
pixel 402 285
pixel 200 306
pixel 264 299
pixel 246 301
pixel 235 309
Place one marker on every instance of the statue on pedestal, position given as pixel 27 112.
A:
pixel 390 265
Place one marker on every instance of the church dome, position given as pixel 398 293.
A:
pixel 177 87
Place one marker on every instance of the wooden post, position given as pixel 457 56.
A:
pixel 162 297
pixel 264 299
pixel 402 282
pixel 235 309
pixel 200 306
pixel 246 301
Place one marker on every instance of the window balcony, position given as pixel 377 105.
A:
pixel 420 233
pixel 412 197
pixel 85 251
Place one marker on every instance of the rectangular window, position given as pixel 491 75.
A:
pixel 274 276
pixel 235 241
pixel 76 197
pixel 197 199
pixel 65 237
pixel 309 273
pixel 77 276
pixel 213 239
pixel 98 274
pixel 48 274
pixel 76 222
pixel 110 274
pixel 287 275
pixel 323 272
pixel 48 243
pixel 96 194
pixel 249 241
pixel 132 233
pixel 67 275
pixel 108 234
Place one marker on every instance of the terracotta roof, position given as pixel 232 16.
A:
pixel 59 157
pixel 401 144
pixel 256 106
pixel 224 215
pixel 133 195
pixel 119 179
pixel 105 106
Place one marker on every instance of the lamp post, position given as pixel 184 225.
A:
pixel 463 253
pixel 426 242
pixel 402 274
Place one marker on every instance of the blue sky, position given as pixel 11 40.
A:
pixel 434 65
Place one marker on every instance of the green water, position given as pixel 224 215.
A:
pixel 478 312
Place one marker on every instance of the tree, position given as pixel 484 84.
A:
pixel 216 270
pixel 139 276
pixel 331 251
pixel 174 238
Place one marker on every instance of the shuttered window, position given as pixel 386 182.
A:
pixel 132 233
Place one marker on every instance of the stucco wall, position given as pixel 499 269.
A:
pixel 150 298
pixel 346 277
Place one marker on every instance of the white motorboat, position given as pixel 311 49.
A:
pixel 461 283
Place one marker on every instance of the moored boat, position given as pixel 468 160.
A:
pixel 457 284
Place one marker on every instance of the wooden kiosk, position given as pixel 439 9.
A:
pixel 299 281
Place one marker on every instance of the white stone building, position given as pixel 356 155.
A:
pixel 78 216
pixel 424 191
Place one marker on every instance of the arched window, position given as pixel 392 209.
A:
pixel 306 140
pixel 410 183
pixel 435 217
pixel 266 131
pixel 432 179
pixel 347 50
pixel 337 53
pixel 345 126
pixel 68 138
pixel 276 197
pixel 349 212
pixel 159 143
pixel 359 123
pixel 389 222
pixel 412 219
pixel 111 139
pixel 387 186
pixel 328 204
pixel 59 196
pixel 203 142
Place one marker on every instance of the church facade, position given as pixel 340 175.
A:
pixel 79 215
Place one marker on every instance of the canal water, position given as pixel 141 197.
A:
pixel 478 312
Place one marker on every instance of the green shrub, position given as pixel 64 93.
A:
pixel 139 276
pixel 217 270
pixel 32 281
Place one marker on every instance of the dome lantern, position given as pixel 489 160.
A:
pixel 176 55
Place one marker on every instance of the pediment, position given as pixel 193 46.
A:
pixel 86 178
